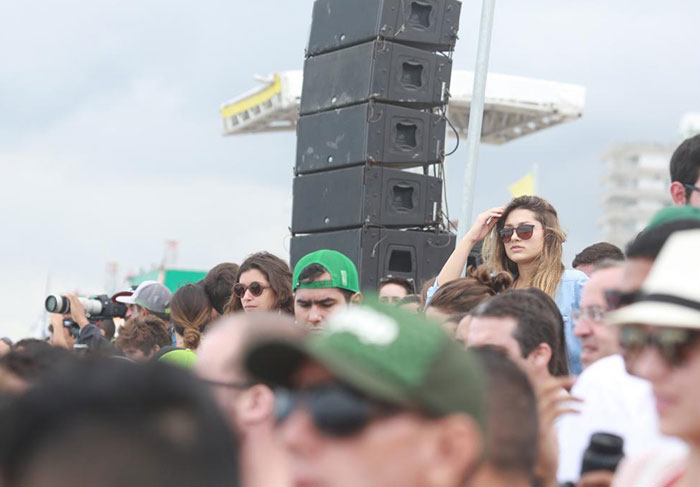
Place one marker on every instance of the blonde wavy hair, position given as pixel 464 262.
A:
pixel 549 266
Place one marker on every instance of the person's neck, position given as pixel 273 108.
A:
pixel 526 274
pixel 263 461
pixel 488 476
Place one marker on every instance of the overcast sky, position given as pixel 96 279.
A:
pixel 110 137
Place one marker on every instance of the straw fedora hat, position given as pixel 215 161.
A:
pixel 671 292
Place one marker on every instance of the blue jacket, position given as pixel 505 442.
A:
pixel 569 299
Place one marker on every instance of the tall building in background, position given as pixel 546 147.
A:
pixel 637 185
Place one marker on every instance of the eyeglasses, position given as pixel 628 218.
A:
pixel 616 299
pixel 591 313
pixel 335 409
pixel 690 188
pixel 256 289
pixel 524 232
pixel 674 344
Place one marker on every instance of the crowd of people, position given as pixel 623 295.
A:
pixel 504 370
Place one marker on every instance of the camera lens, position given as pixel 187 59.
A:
pixel 57 304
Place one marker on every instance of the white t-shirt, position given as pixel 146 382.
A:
pixel 613 402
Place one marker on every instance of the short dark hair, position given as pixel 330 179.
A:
pixel 649 243
pixel 597 252
pixel 144 333
pixel 404 282
pixel 218 284
pixel 32 363
pixel 313 272
pixel 108 326
pixel 685 162
pixel 32 345
pixel 157 422
pixel 538 321
pixel 512 418
pixel 278 274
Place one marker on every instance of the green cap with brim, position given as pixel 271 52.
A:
pixel 181 357
pixel 341 269
pixel 387 354
pixel 673 213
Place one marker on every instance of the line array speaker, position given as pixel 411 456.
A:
pixel 377 133
pixel 379 70
pixel 380 252
pixel 355 196
pixel 427 24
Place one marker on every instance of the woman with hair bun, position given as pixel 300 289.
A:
pixel 190 313
pixel 524 239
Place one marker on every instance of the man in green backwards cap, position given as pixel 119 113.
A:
pixel 380 397
pixel 324 281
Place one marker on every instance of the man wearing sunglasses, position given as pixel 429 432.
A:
pixel 324 282
pixel 685 173
pixel 380 398
pixel 660 337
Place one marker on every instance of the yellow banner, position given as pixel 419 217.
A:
pixel 523 186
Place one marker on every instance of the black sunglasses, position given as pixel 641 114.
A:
pixel 524 232
pixel 335 409
pixel 616 299
pixel 690 188
pixel 256 289
pixel 674 344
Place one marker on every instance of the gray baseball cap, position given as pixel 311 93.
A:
pixel 151 295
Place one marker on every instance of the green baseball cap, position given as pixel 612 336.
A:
pixel 342 270
pixel 673 213
pixel 386 353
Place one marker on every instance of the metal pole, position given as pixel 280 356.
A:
pixel 476 114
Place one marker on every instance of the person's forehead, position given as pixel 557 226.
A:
pixel 392 289
pixel 485 330
pixel 318 294
pixel 311 373
pixel 251 275
pixel 599 282
pixel 521 215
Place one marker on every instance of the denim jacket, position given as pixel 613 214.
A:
pixel 569 299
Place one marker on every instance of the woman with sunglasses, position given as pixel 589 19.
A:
pixel 524 239
pixel 264 284
pixel 190 313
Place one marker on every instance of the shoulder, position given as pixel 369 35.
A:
pixel 570 288
pixel 573 276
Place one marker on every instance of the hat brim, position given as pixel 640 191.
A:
pixel 656 314
pixel 125 299
pixel 276 362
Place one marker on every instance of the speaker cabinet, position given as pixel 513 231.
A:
pixel 379 252
pixel 426 24
pixel 380 70
pixel 355 196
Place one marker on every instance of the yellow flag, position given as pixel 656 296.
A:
pixel 523 186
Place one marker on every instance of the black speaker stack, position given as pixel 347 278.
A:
pixel 376 82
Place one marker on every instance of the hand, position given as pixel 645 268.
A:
pixel 58 334
pixel 77 311
pixel 552 402
pixel 484 223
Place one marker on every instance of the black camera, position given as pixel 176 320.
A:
pixel 96 308
pixel 603 453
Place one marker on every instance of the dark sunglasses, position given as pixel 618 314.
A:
pixel 689 188
pixel 674 344
pixel 335 409
pixel 256 289
pixel 524 232
pixel 616 299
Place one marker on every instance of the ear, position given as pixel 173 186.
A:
pixel 460 447
pixel 356 298
pixel 678 193
pixel 540 356
pixel 256 405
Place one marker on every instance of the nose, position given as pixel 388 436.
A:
pixel 316 315
pixel 582 328
pixel 247 295
pixel 650 365
pixel 298 433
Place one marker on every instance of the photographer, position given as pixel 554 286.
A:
pixel 89 335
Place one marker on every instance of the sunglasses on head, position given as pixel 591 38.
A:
pixel 256 289
pixel 524 232
pixel 335 409
pixel 674 344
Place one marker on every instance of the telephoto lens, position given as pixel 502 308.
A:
pixel 603 453
pixel 57 304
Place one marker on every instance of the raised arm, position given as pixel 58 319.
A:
pixel 458 260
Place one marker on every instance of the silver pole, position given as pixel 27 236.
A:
pixel 476 114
